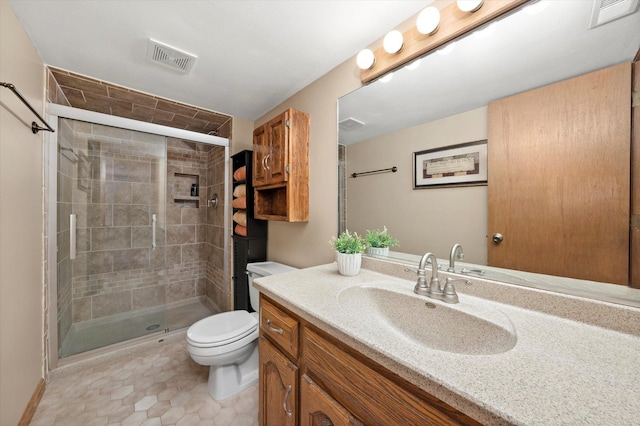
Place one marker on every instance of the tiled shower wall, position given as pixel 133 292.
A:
pixel 195 231
pixel 218 290
pixel 117 186
pixel 114 181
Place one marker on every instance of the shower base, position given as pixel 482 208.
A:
pixel 96 334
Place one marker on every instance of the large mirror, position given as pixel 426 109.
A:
pixel 441 100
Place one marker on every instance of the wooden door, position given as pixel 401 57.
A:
pixel 559 178
pixel 278 387
pixel 279 148
pixel 260 150
pixel 317 408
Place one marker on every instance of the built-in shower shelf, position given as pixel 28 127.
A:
pixel 182 183
pixel 187 202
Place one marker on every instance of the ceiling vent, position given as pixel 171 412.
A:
pixel 609 10
pixel 170 57
pixel 350 124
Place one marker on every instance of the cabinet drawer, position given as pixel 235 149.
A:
pixel 318 408
pixel 372 397
pixel 280 327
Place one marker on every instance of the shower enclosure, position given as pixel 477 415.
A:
pixel 140 246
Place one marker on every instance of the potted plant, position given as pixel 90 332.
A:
pixel 378 242
pixel 349 248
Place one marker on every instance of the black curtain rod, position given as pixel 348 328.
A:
pixel 390 169
pixel 34 126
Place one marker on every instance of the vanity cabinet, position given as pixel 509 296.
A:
pixel 310 378
pixel 278 387
pixel 281 168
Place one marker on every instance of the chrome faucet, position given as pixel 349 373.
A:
pixel 434 290
pixel 421 286
pixel 456 253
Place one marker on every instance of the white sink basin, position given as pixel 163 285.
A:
pixel 462 328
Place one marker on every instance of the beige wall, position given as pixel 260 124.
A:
pixel 426 219
pixel 307 244
pixel 21 307
pixel 241 135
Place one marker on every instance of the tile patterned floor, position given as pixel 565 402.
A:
pixel 158 387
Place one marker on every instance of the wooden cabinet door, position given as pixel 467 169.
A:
pixel 317 408
pixel 278 387
pixel 278 149
pixel 260 150
pixel 559 178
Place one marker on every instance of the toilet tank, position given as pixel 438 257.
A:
pixel 263 269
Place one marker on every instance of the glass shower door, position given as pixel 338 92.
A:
pixel 111 235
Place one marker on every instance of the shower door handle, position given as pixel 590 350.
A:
pixel 72 236
pixel 154 220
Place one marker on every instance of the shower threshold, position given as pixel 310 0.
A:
pixel 96 334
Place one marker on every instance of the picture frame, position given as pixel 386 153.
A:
pixel 456 165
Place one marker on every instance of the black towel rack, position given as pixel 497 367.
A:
pixel 34 126
pixel 372 172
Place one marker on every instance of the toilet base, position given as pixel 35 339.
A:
pixel 226 381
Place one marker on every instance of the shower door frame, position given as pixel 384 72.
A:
pixel 56 111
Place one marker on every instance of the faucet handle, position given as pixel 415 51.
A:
pixel 449 291
pixel 448 284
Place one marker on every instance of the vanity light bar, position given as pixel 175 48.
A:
pixel 433 28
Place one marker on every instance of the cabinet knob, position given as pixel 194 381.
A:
pixel 497 238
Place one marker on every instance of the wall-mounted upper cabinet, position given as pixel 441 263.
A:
pixel 281 168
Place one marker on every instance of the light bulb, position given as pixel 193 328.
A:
pixel 393 41
pixel 469 5
pixel 428 20
pixel 365 59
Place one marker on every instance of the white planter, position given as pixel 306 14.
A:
pixel 349 264
pixel 378 251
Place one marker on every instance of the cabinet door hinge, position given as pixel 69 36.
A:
pixel 635 99
pixel 286 168
pixel 288 123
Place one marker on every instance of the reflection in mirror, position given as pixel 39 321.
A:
pixel 443 102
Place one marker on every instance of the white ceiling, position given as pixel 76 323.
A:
pixel 252 54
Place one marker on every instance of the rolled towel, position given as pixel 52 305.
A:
pixel 240 217
pixel 240 174
pixel 240 191
pixel 239 203
pixel 241 230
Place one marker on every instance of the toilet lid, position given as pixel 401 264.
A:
pixel 222 327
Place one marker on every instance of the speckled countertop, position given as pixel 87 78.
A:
pixel 560 371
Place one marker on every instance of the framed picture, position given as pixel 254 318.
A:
pixel 456 165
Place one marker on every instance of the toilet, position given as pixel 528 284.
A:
pixel 228 342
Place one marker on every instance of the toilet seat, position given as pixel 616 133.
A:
pixel 222 329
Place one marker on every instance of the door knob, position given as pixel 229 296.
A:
pixel 497 238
